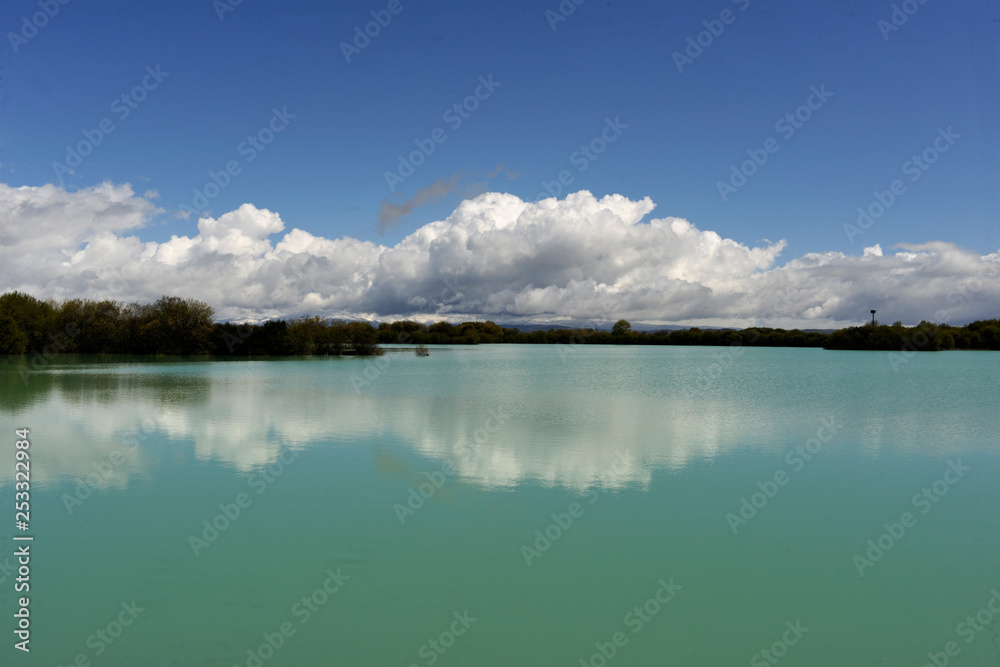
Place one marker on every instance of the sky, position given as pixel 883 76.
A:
pixel 717 163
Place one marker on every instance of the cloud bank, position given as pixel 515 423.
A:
pixel 495 257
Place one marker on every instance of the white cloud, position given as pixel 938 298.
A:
pixel 494 257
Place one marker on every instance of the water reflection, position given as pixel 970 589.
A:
pixel 84 416
pixel 496 425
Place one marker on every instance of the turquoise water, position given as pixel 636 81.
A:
pixel 509 505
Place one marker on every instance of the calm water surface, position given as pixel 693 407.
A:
pixel 510 505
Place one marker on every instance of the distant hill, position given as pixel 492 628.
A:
pixel 585 324
pixel 636 326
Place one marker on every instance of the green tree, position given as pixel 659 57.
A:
pixel 363 338
pixel 621 328
pixel 12 339
pixel 470 332
pixel 94 326
pixel 29 322
pixel 305 334
pixel 172 325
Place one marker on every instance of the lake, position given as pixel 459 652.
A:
pixel 509 505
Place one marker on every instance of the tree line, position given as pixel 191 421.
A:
pixel 170 325
pixel 925 337
pixel 176 326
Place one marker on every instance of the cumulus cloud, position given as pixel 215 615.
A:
pixel 40 227
pixel 495 257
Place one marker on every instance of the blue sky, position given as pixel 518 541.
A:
pixel 679 132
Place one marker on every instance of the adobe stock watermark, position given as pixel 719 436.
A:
pixel 958 296
pixel 454 116
pixel 104 637
pixel 924 501
pixel 421 493
pixel 562 522
pixel 373 369
pixel 915 168
pixel 635 620
pixel 229 513
pixel 433 649
pixel 779 649
pixel 104 469
pixel 900 14
pixel 303 610
pixel 248 149
pixel 965 292
pixel 223 7
pixel 603 314
pixel 968 629
pixel 243 332
pixel 122 106
pixel 645 272
pixel 796 460
pixel 584 156
pixel 60 341
pixel 786 126
pixel 576 338
pixel 418 495
pixel 7 568
pixel 561 13
pixel 381 18
pixel 724 361
pixel 37 21
pixel 696 44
